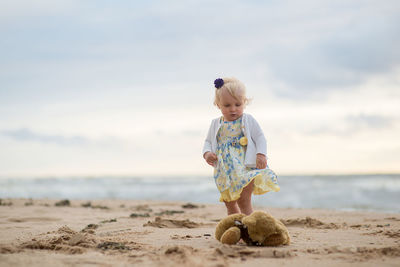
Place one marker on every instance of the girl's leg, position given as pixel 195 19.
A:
pixel 232 207
pixel 244 201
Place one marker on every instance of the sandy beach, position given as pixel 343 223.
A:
pixel 42 232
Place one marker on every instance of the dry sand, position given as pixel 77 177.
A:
pixel 145 233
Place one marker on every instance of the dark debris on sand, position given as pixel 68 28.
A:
pixel 169 212
pixel 142 215
pixel 63 203
pixel 5 203
pixel 89 205
pixel 112 245
pixel 190 206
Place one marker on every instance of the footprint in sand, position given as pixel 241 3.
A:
pixel 388 233
pixel 64 239
pixel 309 222
pixel 9 249
pixel 168 212
pixel 185 237
pixel 168 223
pixel 33 219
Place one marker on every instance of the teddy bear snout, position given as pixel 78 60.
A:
pixel 238 223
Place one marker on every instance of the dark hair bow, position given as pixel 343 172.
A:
pixel 218 83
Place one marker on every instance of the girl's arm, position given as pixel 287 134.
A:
pixel 261 161
pixel 211 158
pixel 261 144
pixel 258 137
pixel 208 155
pixel 207 143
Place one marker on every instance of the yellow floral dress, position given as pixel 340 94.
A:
pixel 230 174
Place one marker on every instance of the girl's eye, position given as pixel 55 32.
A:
pixel 227 106
pixel 238 105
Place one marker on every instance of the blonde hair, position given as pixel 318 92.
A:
pixel 235 88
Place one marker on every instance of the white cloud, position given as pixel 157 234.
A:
pixel 25 134
pixel 307 47
pixel 134 80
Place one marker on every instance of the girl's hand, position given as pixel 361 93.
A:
pixel 211 158
pixel 261 161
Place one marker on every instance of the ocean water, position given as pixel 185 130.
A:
pixel 379 193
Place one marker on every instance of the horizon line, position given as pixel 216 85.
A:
pixel 169 176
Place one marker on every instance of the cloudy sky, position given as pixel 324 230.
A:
pixel 126 87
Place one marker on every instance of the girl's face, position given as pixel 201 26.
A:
pixel 231 108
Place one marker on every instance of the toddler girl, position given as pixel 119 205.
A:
pixel 236 147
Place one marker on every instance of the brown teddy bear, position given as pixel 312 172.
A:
pixel 259 228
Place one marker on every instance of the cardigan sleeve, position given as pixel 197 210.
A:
pixel 207 143
pixel 258 136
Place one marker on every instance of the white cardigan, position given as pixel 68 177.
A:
pixel 256 142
